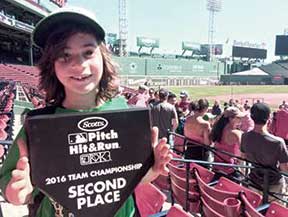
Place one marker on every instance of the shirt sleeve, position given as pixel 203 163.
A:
pixel 283 152
pixel 10 162
pixel 243 143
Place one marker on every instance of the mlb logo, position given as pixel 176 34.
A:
pixel 77 138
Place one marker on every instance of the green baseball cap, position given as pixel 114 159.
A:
pixel 64 16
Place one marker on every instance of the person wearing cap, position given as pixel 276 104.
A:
pixel 163 114
pixel 198 130
pixel 227 137
pixel 184 102
pixel 263 148
pixel 216 109
pixel 141 97
pixel 78 75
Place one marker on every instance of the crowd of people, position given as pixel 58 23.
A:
pixel 243 130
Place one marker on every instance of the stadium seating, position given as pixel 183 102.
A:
pixel 149 199
pixel 179 143
pixel 281 121
pixel 176 211
pixel 221 199
pixel 274 210
pixel 179 186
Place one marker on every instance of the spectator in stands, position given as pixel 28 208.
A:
pixel 231 102
pixel 210 118
pixel 152 98
pixel 182 116
pixel 227 137
pixel 226 105
pixel 198 130
pixel 77 73
pixel 216 109
pixel 141 98
pixel 261 147
pixel 247 124
pixel 163 114
pixel 246 105
pixel 172 99
pixel 284 105
pixel 184 101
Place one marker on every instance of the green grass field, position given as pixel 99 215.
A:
pixel 210 91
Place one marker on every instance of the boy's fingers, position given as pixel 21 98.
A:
pixel 23 151
pixel 23 163
pixel 154 136
pixel 18 175
pixel 19 184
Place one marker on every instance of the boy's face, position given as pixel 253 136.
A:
pixel 80 67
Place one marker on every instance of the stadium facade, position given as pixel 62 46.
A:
pixel 18 18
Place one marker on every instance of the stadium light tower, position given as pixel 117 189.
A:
pixel 123 27
pixel 213 6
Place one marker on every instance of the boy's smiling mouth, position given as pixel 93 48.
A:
pixel 81 78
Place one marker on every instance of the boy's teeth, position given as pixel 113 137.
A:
pixel 80 77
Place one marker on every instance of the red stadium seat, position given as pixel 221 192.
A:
pixel 208 211
pixel 229 207
pixel 179 194
pixel 3 124
pixel 276 210
pixel 2 151
pixel 281 122
pixel 4 117
pixel 162 182
pixel 221 194
pixel 179 144
pixel 225 184
pixel 149 199
pixel 176 211
pixel 3 134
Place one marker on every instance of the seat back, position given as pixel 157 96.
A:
pixel 249 210
pixel 213 192
pixel 281 122
pixel 179 194
pixel 177 211
pixel 179 144
pixel 181 182
pixel 162 182
pixel 179 170
pixel 225 184
pixel 149 199
pixel 229 207
pixel 208 211
pixel 276 210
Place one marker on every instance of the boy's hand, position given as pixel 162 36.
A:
pixel 162 157
pixel 19 189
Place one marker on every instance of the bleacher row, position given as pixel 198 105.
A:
pixel 200 192
pixel 7 95
pixel 26 75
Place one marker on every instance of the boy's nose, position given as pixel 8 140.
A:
pixel 78 61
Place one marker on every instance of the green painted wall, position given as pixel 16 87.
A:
pixel 168 67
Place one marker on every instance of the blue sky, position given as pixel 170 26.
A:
pixel 174 21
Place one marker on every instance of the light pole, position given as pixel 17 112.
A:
pixel 212 6
pixel 123 27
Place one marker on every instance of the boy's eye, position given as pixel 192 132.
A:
pixel 89 53
pixel 64 57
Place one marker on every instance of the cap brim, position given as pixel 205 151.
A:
pixel 55 21
pixel 241 115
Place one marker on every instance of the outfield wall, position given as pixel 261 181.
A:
pixel 136 66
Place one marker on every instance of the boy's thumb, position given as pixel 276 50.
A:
pixel 23 151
